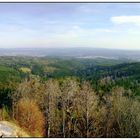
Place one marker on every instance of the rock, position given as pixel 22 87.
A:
pixel 1 134
pixel 8 129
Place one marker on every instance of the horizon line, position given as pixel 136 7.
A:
pixel 9 48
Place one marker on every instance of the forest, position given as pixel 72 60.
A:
pixel 66 97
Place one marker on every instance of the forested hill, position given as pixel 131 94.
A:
pixel 71 97
pixel 18 68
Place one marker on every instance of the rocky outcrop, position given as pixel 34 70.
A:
pixel 8 129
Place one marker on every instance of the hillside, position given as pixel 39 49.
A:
pixel 51 97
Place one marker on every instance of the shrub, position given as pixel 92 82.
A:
pixel 30 117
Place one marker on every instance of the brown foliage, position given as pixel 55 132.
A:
pixel 73 109
pixel 30 117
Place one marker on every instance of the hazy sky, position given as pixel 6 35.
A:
pixel 104 25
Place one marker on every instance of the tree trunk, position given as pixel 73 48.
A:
pixel 87 122
pixel 87 116
pixel 48 116
pixel 63 121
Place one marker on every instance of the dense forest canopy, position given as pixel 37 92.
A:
pixel 71 97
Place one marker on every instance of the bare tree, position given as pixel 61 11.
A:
pixel 52 93
pixel 87 108
pixel 69 90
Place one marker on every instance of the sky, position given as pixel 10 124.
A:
pixel 98 25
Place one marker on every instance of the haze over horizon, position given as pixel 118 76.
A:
pixel 46 25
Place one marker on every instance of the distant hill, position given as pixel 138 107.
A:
pixel 72 52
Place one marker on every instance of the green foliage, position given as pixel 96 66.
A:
pixel 4 113
pixel 5 96
pixel 8 74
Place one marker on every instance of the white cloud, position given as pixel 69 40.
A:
pixel 104 30
pixel 126 20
